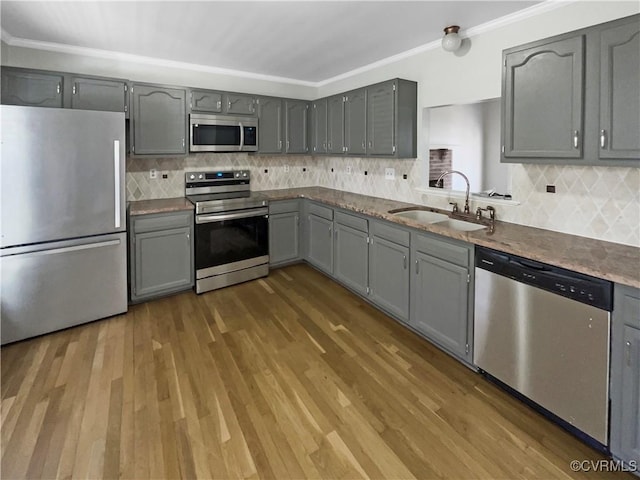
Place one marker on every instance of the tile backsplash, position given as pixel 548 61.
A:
pixel 596 202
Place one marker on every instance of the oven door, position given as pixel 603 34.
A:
pixel 231 241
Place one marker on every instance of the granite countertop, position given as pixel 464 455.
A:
pixel 612 261
pixel 160 205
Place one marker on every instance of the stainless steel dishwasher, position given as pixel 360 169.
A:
pixel 543 331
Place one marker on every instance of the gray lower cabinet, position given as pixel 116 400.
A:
pixel 270 121
pixel 159 120
pixel 441 292
pixel 351 251
pixel 355 122
pixel 284 232
pixel 161 254
pixel 319 237
pixel 31 88
pixel 99 94
pixel 389 268
pixel 296 126
pixel 625 375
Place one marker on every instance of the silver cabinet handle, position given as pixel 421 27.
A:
pixel 279 143
pixel 576 138
pixel 329 232
pixel 417 267
pixel 219 104
pixel 183 142
pixel 75 89
pixel 404 262
pixel 603 138
pixel 363 144
pixel 116 181
pixel 369 143
pixel 627 352
pixel 58 87
pixel 288 144
pixel 188 236
pixel 229 105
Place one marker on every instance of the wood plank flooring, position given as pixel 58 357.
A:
pixel 287 377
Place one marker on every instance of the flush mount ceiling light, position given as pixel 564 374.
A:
pixel 451 40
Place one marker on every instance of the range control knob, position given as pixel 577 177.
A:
pixel 237 174
pixel 192 177
pixel 200 177
pixel 244 174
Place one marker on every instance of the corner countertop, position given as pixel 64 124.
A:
pixel 612 261
pixel 159 205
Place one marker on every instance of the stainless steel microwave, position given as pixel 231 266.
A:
pixel 222 133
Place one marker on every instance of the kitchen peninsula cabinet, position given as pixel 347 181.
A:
pixel 575 98
pixel 441 292
pixel 159 120
pixel 389 268
pixel 161 254
pixel 319 237
pixel 284 232
pixel 351 263
pixel 32 88
pixel 625 375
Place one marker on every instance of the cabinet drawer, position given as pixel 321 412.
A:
pixel 353 221
pixel 458 254
pixel 284 206
pixel 320 211
pixel 162 221
pixel 389 232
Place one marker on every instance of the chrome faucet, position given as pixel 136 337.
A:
pixel 466 198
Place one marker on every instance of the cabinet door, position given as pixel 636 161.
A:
pixel 319 126
pixel 543 91
pixel 237 104
pixel 320 246
pixel 619 134
pixel 389 276
pixel 630 431
pixel 381 100
pixel 355 122
pixel 283 238
pixel 296 126
pixel 439 300
pixel 206 101
pixel 335 124
pixel 270 125
pixel 32 89
pixel 97 94
pixel 163 262
pixel 351 258
pixel 159 120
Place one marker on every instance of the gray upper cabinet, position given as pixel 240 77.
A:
pixel 31 88
pixel 159 120
pixel 239 104
pixel 389 269
pixel 381 119
pixel 355 122
pixel 296 126
pixel 271 120
pixel 99 94
pixel 319 126
pixel 543 100
pixel 625 374
pixel 284 232
pixel 441 293
pixel 205 101
pixel 351 252
pixel 620 92
pixel 574 99
pixel 335 124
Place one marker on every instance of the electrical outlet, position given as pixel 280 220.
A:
pixel 349 169
pixel 286 169
pixel 390 173
pixel 153 173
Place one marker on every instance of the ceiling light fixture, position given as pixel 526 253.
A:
pixel 451 40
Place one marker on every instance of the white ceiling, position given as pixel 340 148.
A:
pixel 301 41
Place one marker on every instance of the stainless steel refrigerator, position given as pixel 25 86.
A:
pixel 63 257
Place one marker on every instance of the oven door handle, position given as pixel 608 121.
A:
pixel 254 212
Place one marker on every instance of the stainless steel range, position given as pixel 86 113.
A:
pixel 231 228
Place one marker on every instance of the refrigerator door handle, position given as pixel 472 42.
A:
pixel 73 248
pixel 116 176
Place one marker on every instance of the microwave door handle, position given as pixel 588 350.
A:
pixel 241 135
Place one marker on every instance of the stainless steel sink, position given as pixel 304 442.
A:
pixel 422 216
pixel 429 217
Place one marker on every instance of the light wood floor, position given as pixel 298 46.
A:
pixel 286 377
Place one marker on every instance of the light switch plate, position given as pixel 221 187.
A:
pixel 390 173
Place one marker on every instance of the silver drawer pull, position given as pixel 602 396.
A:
pixel 627 353
pixel 576 138
pixel 603 138
pixel 404 261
